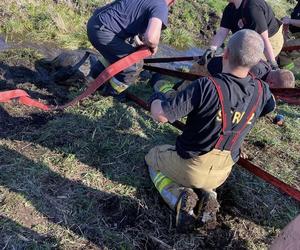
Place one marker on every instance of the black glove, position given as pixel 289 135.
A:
pixel 208 54
pixel 274 65
pixel 155 96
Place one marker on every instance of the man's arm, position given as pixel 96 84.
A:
pixel 294 22
pixel 261 70
pixel 259 24
pixel 219 38
pixel 185 101
pixel 269 53
pixel 269 106
pixel 152 34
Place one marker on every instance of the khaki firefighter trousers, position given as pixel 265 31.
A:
pixel 207 171
pixel 277 41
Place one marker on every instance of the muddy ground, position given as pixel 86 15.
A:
pixel 76 179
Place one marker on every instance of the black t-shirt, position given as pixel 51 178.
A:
pixel 260 70
pixel 128 18
pixel 200 102
pixel 295 15
pixel 252 14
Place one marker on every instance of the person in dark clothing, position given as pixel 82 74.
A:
pixel 294 20
pixel 290 59
pixel 111 26
pixel 279 78
pixel 256 15
pixel 220 112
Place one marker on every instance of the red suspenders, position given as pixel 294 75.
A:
pixel 230 135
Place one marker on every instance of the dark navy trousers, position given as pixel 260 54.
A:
pixel 112 48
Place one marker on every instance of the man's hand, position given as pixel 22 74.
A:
pixel 208 54
pixel 286 20
pixel 154 50
pixel 274 65
pixel 138 41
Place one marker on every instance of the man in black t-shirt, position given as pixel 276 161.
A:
pixel 220 112
pixel 112 25
pixel 255 15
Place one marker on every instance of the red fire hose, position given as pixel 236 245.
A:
pixel 105 75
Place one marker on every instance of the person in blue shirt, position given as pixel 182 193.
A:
pixel 111 26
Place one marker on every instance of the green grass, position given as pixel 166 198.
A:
pixel 191 22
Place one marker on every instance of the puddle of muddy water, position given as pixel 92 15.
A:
pixel 167 51
pixel 50 51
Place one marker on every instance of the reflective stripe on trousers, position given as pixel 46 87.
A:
pixel 168 189
pixel 114 82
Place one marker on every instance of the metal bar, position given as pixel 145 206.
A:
pixel 171 59
pixel 290 48
pixel 289 95
pixel 171 72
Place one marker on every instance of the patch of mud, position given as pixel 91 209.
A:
pixel 171 52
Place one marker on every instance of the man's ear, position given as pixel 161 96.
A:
pixel 270 79
pixel 225 58
pixel 226 54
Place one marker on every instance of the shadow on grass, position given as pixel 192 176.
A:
pixel 15 236
pixel 90 213
pixel 115 145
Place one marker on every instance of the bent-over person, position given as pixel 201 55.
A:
pixel 111 26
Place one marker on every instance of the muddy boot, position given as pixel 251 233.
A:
pixel 185 217
pixel 207 209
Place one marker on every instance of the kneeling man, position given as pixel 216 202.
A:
pixel 220 112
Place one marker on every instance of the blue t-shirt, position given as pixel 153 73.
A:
pixel 128 18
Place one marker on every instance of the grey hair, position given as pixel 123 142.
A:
pixel 245 49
